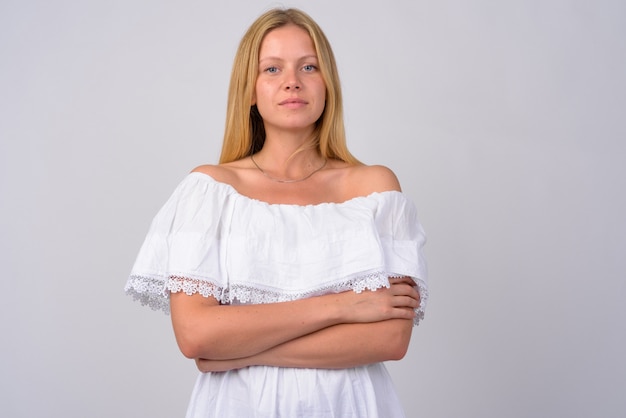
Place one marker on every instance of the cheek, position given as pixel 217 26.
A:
pixel 321 89
pixel 322 93
pixel 261 92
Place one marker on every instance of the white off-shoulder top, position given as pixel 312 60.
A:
pixel 212 240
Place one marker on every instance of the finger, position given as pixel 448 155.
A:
pixel 405 289
pixel 404 279
pixel 406 302
pixel 404 313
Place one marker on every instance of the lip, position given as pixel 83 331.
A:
pixel 293 101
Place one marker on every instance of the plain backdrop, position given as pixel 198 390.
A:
pixel 504 121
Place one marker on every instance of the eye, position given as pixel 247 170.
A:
pixel 271 70
pixel 309 68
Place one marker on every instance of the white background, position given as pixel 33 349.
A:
pixel 503 119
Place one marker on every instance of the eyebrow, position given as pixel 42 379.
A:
pixel 272 58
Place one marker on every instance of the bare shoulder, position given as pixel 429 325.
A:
pixel 367 179
pixel 223 173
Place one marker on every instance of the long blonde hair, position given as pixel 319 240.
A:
pixel 244 133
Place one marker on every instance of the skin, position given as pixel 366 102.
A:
pixel 331 331
pixel 290 93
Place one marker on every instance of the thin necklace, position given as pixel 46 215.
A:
pixel 287 181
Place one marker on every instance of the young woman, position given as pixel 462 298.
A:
pixel 291 270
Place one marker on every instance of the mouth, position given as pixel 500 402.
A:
pixel 293 101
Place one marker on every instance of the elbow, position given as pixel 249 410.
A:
pixel 193 348
pixel 188 345
pixel 398 351
pixel 189 349
pixel 193 336
pixel 398 339
pixel 194 343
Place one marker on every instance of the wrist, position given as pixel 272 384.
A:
pixel 335 309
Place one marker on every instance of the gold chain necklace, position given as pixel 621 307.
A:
pixel 287 181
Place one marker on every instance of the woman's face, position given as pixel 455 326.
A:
pixel 290 93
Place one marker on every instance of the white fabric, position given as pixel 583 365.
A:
pixel 272 392
pixel 210 239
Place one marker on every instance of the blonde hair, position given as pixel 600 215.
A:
pixel 244 133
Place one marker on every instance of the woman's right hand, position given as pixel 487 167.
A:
pixel 398 301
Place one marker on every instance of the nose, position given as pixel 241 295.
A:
pixel 292 82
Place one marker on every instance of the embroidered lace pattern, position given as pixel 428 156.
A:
pixel 149 291
pixel 153 292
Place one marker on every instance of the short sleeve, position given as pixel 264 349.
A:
pixel 183 250
pixel 402 238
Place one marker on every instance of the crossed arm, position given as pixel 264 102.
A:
pixel 331 331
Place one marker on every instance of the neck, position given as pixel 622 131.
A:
pixel 287 140
pixel 287 149
pixel 288 165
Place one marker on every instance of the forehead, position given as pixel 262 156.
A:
pixel 286 41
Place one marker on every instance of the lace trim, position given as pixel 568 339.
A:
pixel 150 291
pixel 419 312
pixel 254 295
pixel 154 292
pixel 190 286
